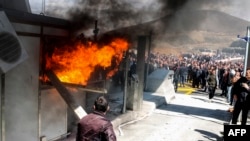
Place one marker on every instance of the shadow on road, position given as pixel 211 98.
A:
pixel 198 111
pixel 209 135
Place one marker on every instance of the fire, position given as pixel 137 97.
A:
pixel 74 64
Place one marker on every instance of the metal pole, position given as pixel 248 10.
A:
pixel 95 31
pixel 125 83
pixel 63 91
pixel 247 49
pixel 43 7
pixel 83 88
pixel 3 107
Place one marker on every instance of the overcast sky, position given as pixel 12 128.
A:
pixel 238 8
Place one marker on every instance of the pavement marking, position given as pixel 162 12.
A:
pixel 187 89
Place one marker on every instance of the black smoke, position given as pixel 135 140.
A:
pixel 113 14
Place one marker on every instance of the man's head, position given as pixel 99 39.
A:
pixel 101 104
pixel 248 73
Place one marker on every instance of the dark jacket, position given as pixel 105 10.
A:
pixel 242 93
pixel 211 80
pixel 95 125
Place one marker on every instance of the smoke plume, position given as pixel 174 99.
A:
pixel 112 14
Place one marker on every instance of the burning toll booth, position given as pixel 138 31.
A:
pixel 48 81
pixel 29 108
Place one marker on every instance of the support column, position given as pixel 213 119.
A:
pixel 135 92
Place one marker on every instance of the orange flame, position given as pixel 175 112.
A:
pixel 75 64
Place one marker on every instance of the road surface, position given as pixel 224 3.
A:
pixel 189 117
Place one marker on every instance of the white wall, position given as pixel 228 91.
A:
pixel 21 95
pixel 53 114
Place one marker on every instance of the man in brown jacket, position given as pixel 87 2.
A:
pixel 95 126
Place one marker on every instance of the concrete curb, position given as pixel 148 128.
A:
pixel 150 102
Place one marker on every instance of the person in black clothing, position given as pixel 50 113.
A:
pixel 176 77
pixel 224 83
pixel 236 77
pixel 204 75
pixel 241 93
pixel 182 72
pixel 196 77
pixel 221 72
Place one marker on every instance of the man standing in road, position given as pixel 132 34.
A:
pixel 241 93
pixel 94 126
pixel 212 83
pixel 176 77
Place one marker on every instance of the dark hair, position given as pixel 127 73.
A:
pixel 101 104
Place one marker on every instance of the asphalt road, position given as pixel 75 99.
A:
pixel 189 117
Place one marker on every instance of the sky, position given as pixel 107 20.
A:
pixel 238 8
pixel 112 14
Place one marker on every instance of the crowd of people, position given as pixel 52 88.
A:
pixel 209 73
